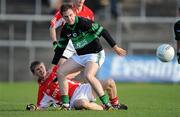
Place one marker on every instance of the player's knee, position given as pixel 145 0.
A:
pixel 110 83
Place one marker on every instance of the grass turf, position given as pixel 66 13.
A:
pixel 143 100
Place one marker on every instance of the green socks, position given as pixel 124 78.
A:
pixel 104 99
pixel 65 99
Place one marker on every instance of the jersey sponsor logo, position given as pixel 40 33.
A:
pixel 80 44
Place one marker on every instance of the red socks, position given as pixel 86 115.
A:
pixel 114 101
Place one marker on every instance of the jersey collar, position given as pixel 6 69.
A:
pixel 74 25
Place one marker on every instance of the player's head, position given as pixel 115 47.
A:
pixel 38 69
pixel 79 3
pixel 68 14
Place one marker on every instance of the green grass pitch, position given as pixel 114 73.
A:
pixel 143 100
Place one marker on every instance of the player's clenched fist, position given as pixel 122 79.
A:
pixel 119 51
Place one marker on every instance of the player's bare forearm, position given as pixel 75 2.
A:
pixel 119 51
pixel 53 34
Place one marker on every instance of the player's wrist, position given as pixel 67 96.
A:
pixel 55 44
pixel 115 47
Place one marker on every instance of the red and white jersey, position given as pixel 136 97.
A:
pixel 49 90
pixel 57 20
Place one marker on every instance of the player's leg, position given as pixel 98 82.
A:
pixel 69 66
pixel 110 86
pixel 85 104
pixel 82 98
pixel 90 72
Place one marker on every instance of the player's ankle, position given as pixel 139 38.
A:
pixel 65 99
pixel 104 99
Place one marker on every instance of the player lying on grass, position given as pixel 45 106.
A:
pixel 82 96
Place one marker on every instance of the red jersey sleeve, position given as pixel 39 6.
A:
pixel 54 20
pixel 55 68
pixel 85 12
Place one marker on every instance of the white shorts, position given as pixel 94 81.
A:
pixel 84 91
pixel 69 51
pixel 47 100
pixel 95 57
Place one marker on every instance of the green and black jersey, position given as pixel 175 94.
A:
pixel 84 35
pixel 177 30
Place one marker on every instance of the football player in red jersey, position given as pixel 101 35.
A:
pixel 80 10
pixel 81 96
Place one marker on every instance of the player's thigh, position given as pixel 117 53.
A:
pixel 70 66
pixel 91 68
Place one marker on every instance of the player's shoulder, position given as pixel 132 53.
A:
pixel 84 21
pixel 87 9
pixel 57 13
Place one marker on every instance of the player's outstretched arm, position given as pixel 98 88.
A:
pixel 112 43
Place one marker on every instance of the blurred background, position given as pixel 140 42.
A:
pixel 139 26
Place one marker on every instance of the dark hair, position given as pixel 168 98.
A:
pixel 65 7
pixel 179 9
pixel 33 65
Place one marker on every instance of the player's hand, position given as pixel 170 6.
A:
pixel 31 107
pixel 55 45
pixel 178 57
pixel 119 51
